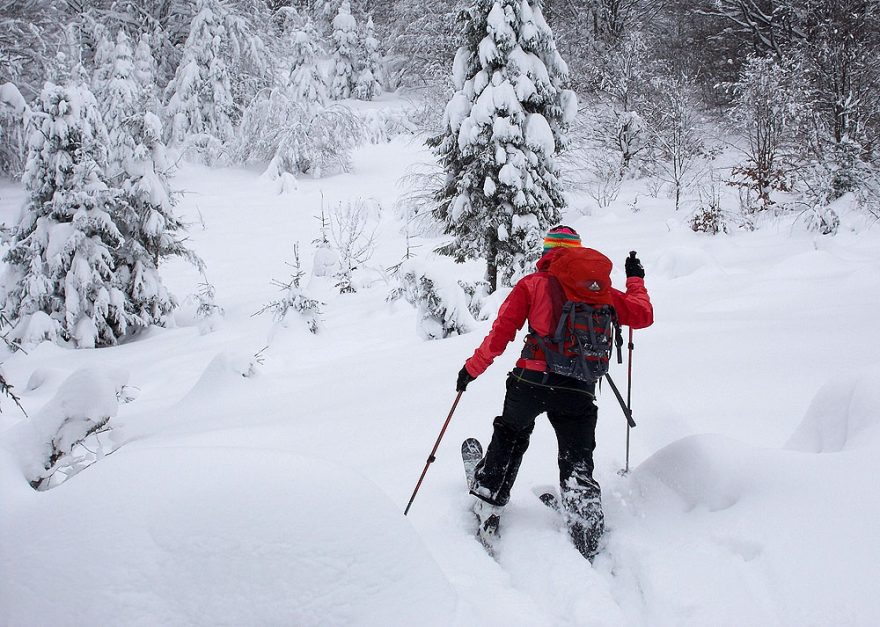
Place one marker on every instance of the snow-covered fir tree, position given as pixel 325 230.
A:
pixel 103 59
pixel 370 78
pixel 144 207
pixel 503 128
pixel 422 41
pixel 345 54
pixel 118 94
pixel 323 12
pixel 306 80
pixel 146 73
pixel 60 281
pixel 13 115
pixel 200 103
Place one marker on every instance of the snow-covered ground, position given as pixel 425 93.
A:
pixel 269 489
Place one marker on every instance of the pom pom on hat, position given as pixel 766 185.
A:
pixel 563 236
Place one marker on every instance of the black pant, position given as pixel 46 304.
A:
pixel 572 413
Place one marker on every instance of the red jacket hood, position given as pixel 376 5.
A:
pixel 544 262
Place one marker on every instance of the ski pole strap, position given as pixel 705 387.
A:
pixel 618 338
pixel 626 410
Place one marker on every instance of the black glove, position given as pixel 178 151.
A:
pixel 634 266
pixel 464 377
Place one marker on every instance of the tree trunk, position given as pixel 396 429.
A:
pixel 492 260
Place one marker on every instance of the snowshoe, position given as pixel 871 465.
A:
pixel 488 519
pixel 471 454
pixel 547 495
pixel 487 515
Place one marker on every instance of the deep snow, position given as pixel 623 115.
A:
pixel 243 492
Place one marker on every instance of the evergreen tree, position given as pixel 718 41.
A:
pixel 149 225
pixel 306 81
pixel 422 42
pixel 345 53
pixel 60 275
pixel 13 113
pixel 103 59
pixel 119 96
pixel 200 104
pixel 144 209
pixel 369 82
pixel 503 128
pixel 146 73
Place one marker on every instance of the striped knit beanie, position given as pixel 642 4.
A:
pixel 561 236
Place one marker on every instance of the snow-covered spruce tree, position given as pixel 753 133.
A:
pixel 503 128
pixel 345 54
pixel 307 83
pixel 146 74
pixel 203 100
pixel 103 59
pixel 118 95
pixel 323 12
pixel 422 43
pixel 370 78
pixel 144 208
pixel 200 106
pixel 13 115
pixel 289 125
pixel 60 281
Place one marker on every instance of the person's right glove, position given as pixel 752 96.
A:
pixel 634 266
pixel 464 377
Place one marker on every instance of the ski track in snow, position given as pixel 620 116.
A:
pixel 277 498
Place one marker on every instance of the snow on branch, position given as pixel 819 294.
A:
pixel 445 306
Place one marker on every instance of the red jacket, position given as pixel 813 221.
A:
pixel 531 299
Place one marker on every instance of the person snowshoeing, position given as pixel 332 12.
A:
pixel 534 388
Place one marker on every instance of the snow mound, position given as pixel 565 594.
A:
pixel 218 536
pixel 812 265
pixel 704 470
pixel 84 401
pixel 224 370
pixel 844 414
pixel 40 377
pixel 682 261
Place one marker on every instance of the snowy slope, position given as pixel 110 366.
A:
pixel 277 497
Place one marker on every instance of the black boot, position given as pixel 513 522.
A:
pixel 582 508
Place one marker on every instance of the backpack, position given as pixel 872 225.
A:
pixel 587 329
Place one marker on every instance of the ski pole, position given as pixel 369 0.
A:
pixel 629 375
pixel 432 457
pixel 626 410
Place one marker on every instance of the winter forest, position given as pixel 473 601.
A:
pixel 245 246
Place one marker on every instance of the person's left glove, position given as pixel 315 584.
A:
pixel 464 377
pixel 634 267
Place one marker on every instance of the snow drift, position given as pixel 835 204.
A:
pixel 216 536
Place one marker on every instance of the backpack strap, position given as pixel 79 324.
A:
pixel 618 335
